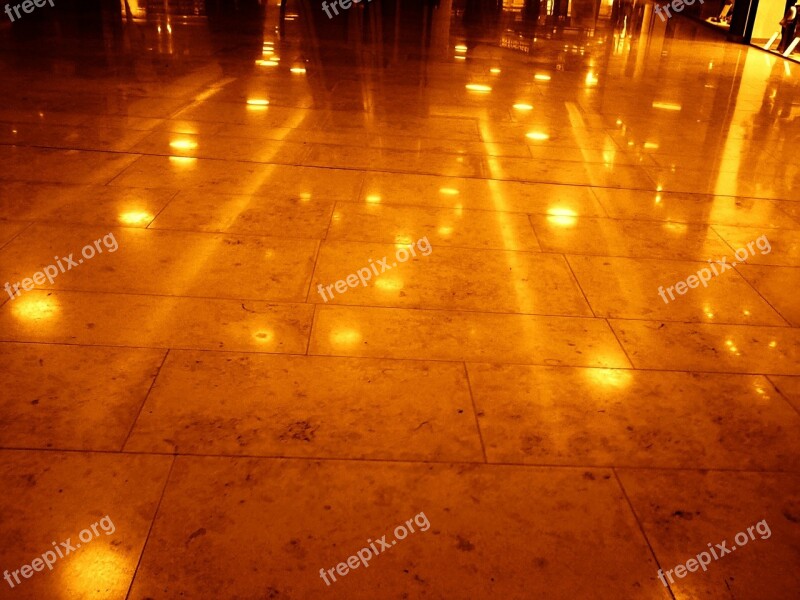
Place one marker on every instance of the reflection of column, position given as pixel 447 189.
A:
pixel 440 36
pixel 643 41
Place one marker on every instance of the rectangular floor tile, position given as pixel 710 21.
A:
pixel 309 406
pixel 164 262
pixel 778 285
pixel 684 513
pixel 618 417
pixel 614 237
pixel 498 196
pixel 156 322
pixel 373 222
pixel 44 165
pixel 300 217
pixel 450 335
pixel 54 497
pixel 628 288
pixel 693 208
pixel 72 397
pixel 704 347
pixel 90 204
pixel 448 278
pixel 249 527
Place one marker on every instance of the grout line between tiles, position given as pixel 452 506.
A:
pixel 641 527
pixel 782 394
pixel 144 401
pixel 475 413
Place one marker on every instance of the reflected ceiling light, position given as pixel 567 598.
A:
pixel 651 145
pixel 257 103
pixel 403 241
pixel 263 336
pixel 461 48
pixel 268 63
pixel 34 308
pixel 539 136
pixel 183 144
pixel 182 160
pixel 591 79
pixel 542 77
pixel 667 106
pixel 388 284
pixel 564 217
pixel 448 191
pixel 344 337
pixel 135 217
pixel 305 196
pixel 523 106
pixel 617 378
pixel 298 69
pixel 478 87
pixel 374 199
pixel 494 70
pixel 445 230
pixel 457 57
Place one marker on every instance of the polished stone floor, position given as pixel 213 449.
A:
pixel 518 380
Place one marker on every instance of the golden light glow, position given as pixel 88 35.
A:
pixel 268 63
pixel 183 144
pixel 403 241
pixel 263 336
pixel 305 196
pixel 478 87
pixel 617 378
pixel 298 70
pixel 591 78
pixel 182 160
pixel 773 343
pixel 539 136
pixel 94 566
pixel 457 57
pixel 494 70
pixel 389 284
pixel 445 230
pixel 542 77
pixel 34 307
pixel 257 102
pixel 523 106
pixel 135 217
pixel 345 337
pixel 651 145
pixel 448 191
pixel 374 199
pixel 461 48
pixel 667 106
pixel 564 217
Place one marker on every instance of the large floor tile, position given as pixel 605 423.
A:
pixel 469 336
pixel 704 347
pixel 614 237
pixel 72 397
pixel 250 527
pixel 90 204
pixel 493 195
pixel 309 406
pixel 271 215
pixel 448 278
pixel 164 262
pixel 9 230
pixel 618 417
pixel 685 513
pixel 62 166
pixel 628 288
pixel 777 247
pixel 373 222
pixel 694 208
pixel 789 387
pixel 96 319
pixel 778 286
pixel 52 498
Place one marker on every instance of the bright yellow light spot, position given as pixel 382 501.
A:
pixel 263 336
pixel 617 378
pixel 619 121
pixel 135 217
pixel 542 77
pixel 34 308
pixel 523 106
pixel 667 106
pixel 445 230
pixel 651 145
pixel 448 191
pixel 344 337
pixel 268 63
pixel 539 136
pixel 591 78
pixel 298 70
pixel 659 188
pixel 457 57
pixel 182 160
pixel 478 87
pixel 389 284
pixel 658 198
pixel 183 144
pixel 257 102
pixel 494 70
pixel 374 199
pixel 403 241
pixel 96 565
pixel 679 228
pixel 305 196
pixel 461 48
pixel 564 217
pixel 773 344
pixel 746 312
